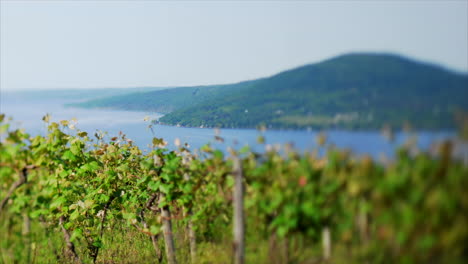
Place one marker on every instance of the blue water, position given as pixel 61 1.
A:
pixel 28 112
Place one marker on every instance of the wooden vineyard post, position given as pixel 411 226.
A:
pixel 192 239
pixel 166 226
pixel 326 243
pixel 238 199
pixel 168 237
pixel 272 249
pixel 363 223
pixel 191 232
pixel 26 232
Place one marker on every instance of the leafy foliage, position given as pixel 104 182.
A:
pixel 412 210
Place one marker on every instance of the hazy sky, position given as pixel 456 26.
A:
pixel 86 44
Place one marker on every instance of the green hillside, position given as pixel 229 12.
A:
pixel 163 101
pixel 354 91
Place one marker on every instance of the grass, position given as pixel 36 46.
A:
pixel 123 244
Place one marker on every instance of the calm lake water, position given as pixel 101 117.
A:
pixel 27 113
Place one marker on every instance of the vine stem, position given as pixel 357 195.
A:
pixel 103 219
pixel 154 238
pixel 22 180
pixel 69 243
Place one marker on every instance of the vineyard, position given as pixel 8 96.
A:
pixel 72 197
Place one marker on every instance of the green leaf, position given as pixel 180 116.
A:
pixel 129 216
pixel 82 134
pixel 90 167
pixel 46 118
pixel 261 140
pixel 146 164
pixel 4 128
pixel 35 214
pixel 143 179
pixel 98 243
pixel 68 155
pixel 245 149
pixel 206 148
pixel 104 198
pixel 75 149
pixel 57 202
pixel 74 215
pixel 76 234
pixel 154 185
pixel 309 210
pixel 164 188
pixel 282 231
pixel 88 204
pixel 218 154
pixel 155 230
pixel 64 173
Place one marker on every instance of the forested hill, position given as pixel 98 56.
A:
pixel 357 91
pixel 163 101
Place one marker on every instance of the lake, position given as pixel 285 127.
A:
pixel 27 112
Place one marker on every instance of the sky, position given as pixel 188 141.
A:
pixel 96 44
